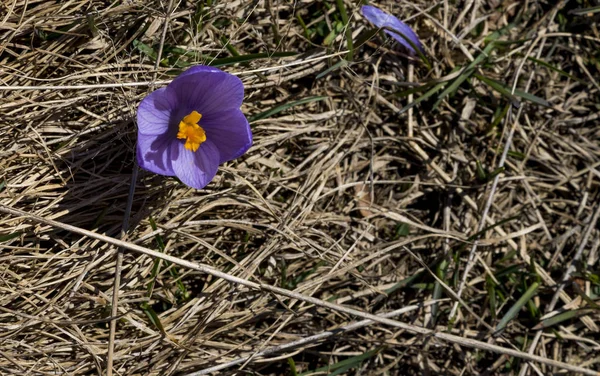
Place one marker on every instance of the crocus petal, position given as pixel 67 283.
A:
pixel 382 19
pixel 202 97
pixel 195 169
pixel 154 154
pixel 154 113
pixel 208 91
pixel 229 131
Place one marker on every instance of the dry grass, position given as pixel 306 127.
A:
pixel 456 210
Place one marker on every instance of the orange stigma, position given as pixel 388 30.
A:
pixel 191 132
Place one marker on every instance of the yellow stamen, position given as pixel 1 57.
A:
pixel 191 132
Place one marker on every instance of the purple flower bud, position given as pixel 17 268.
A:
pixel 192 125
pixel 382 19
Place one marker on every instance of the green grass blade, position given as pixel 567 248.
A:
pixel 292 365
pixel 198 16
pixel 500 114
pixel 438 289
pixel 404 282
pixel 7 237
pixel 342 9
pixel 283 107
pixel 514 310
pixel 557 319
pixel 340 64
pixel 585 297
pixel 153 317
pixel 466 73
pixel 303 24
pixel 416 89
pixel 585 11
pixel 499 88
pixel 145 49
pixel 454 86
pixel 343 369
pixel 345 365
pixel 337 27
pixel 490 176
pixel 481 174
pixel 230 60
pixel 507 92
pixel 490 286
pixel 232 50
pixel 235 54
pixel 91 22
pixel 532 98
pixel 491 227
pixel 249 57
pixel 423 97
pixel 555 69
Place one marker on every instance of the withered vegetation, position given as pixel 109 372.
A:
pixel 462 187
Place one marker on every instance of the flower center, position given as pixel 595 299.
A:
pixel 191 132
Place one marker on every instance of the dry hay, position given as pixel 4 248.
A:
pixel 342 198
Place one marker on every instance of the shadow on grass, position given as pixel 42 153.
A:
pixel 98 178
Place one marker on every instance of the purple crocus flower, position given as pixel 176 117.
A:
pixel 192 125
pixel 382 19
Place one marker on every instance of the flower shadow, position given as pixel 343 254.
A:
pixel 97 178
